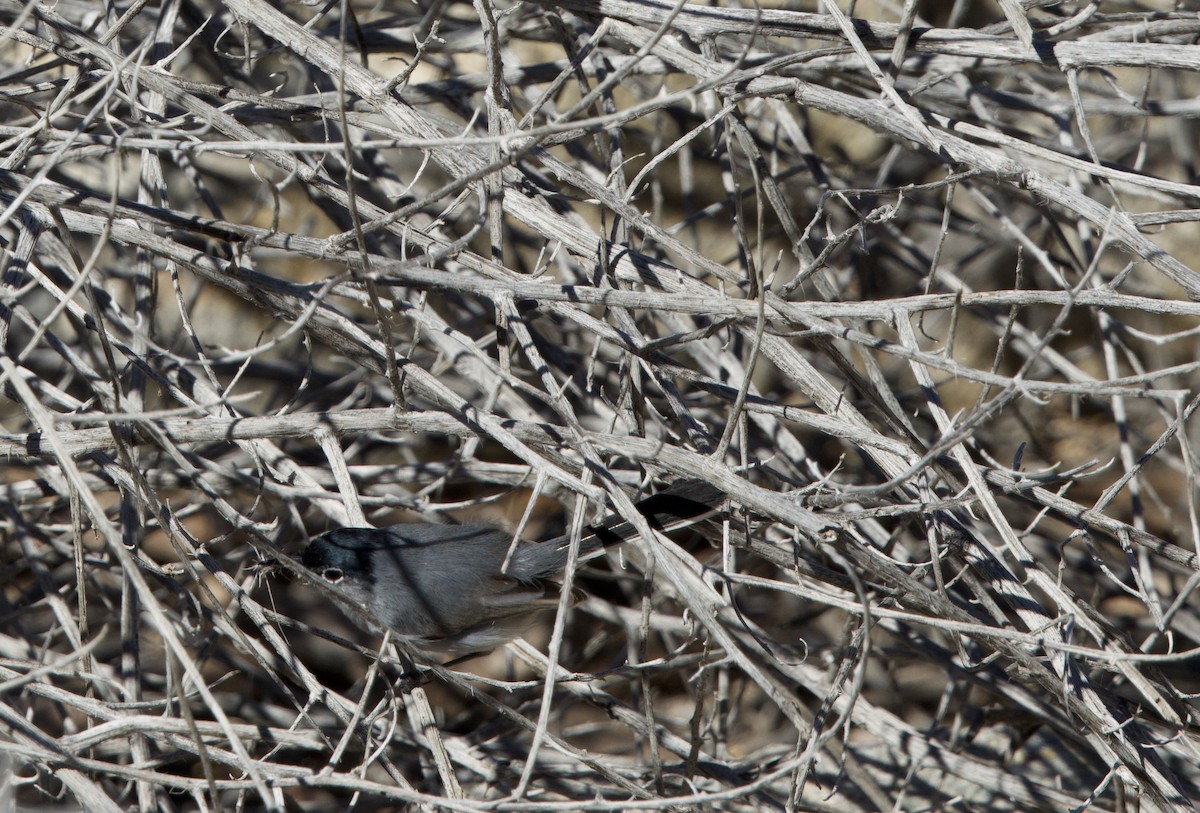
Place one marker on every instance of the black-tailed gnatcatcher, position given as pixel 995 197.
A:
pixel 444 588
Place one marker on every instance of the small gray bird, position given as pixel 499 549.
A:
pixel 444 588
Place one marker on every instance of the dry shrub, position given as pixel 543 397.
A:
pixel 913 283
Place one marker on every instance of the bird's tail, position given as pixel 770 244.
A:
pixel 683 503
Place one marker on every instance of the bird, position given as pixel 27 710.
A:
pixel 447 589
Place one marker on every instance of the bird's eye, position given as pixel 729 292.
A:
pixel 333 575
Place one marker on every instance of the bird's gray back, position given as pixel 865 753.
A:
pixel 436 580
